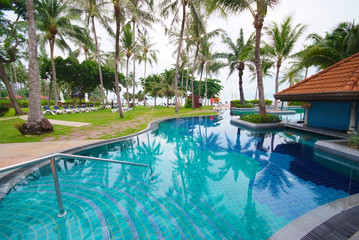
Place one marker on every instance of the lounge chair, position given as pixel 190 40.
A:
pixel 93 108
pixel 59 110
pixel 82 108
pixel 48 110
pixel 67 109
pixel 76 109
pixel 87 109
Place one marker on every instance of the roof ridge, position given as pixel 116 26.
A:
pixel 324 71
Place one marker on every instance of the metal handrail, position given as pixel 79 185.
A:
pixel 52 159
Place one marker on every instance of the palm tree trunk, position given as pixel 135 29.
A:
pixel 144 77
pixel 52 46
pixel 184 4
pixel 155 100
pixel 258 24
pixel 134 65
pixel 117 50
pixel 15 78
pixel 276 85
pixel 241 94
pixel 205 90
pixel 200 81
pixel 98 62
pixel 9 89
pixel 306 72
pixel 188 65
pixel 193 70
pixel 127 83
pixel 36 124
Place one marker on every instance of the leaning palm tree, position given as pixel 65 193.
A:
pixel 36 123
pixel 148 54
pixel 292 75
pixel 258 10
pixel 97 10
pixel 282 42
pixel 240 54
pixel 54 20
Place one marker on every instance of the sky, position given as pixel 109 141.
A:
pixel 319 15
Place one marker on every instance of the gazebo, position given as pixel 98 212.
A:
pixel 330 97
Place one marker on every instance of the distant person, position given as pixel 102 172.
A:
pixel 200 101
pixel 212 100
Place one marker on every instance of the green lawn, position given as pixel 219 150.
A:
pixel 9 134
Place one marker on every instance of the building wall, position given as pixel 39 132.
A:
pixel 332 115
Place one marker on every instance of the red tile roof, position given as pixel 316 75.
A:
pixel 342 77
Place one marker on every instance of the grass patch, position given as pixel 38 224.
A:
pixel 100 118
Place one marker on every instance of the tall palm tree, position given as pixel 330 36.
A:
pixel 175 7
pixel 128 47
pixel 167 84
pixel 54 20
pixel 258 10
pixel 144 15
pixel 120 8
pixel 240 54
pixel 97 10
pixel 36 122
pixel 282 42
pixel 148 54
pixel 152 85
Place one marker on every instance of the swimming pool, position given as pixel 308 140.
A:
pixel 207 180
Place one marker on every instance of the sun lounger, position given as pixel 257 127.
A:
pixel 87 109
pixel 76 109
pixel 59 110
pixel 67 109
pixel 82 108
pixel 48 110
pixel 93 108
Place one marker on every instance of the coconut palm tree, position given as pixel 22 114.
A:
pixel 240 54
pixel 36 123
pixel 258 10
pixel 282 42
pixel 292 75
pixel 167 84
pixel 152 85
pixel 54 20
pixel 120 9
pixel 97 10
pixel 148 54
pixel 333 47
pixel 175 7
pixel 128 48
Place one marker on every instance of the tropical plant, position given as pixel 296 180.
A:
pixel 258 10
pixel 167 84
pixel 128 48
pixel 152 85
pixel 97 10
pixel 54 18
pixel 240 54
pixel 148 54
pixel 11 37
pixel 333 47
pixel 36 123
pixel 282 42
pixel 292 75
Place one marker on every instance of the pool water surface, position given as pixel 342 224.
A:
pixel 207 179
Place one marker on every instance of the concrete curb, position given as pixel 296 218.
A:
pixel 257 126
pixel 337 148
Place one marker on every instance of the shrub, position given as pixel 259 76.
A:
pixel 237 104
pixel 188 103
pixel 4 110
pixel 256 118
pixel 268 102
pixel 354 141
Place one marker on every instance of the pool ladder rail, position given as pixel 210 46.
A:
pixel 53 158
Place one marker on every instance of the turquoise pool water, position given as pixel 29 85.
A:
pixel 207 180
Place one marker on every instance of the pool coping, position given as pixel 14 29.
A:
pixel 338 148
pixel 301 226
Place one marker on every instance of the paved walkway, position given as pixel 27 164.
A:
pixel 63 123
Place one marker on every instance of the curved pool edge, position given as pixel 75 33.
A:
pixel 301 226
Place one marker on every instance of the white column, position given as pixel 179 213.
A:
pixel 351 127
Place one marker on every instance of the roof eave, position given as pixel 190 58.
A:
pixel 326 96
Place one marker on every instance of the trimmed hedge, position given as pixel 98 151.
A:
pixel 249 103
pixel 4 110
pixel 256 118
pixel 294 103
